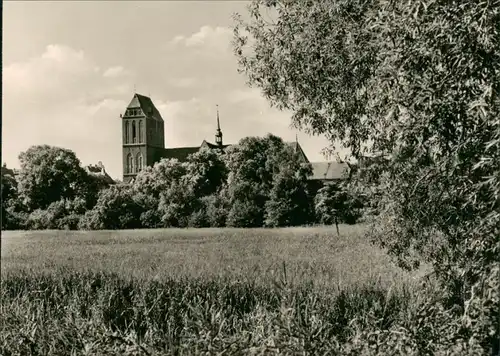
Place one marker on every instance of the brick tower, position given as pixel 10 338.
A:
pixel 143 136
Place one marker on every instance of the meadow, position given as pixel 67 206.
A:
pixel 195 291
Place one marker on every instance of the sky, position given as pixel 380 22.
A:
pixel 70 68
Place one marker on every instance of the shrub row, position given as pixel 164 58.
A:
pixel 261 182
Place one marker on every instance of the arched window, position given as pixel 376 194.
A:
pixel 141 130
pixel 127 133
pixel 130 163
pixel 134 133
pixel 139 162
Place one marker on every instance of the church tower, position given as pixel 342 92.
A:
pixel 143 136
pixel 218 133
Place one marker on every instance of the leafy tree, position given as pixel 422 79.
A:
pixel 290 202
pixel 116 208
pixel 416 82
pixel 171 191
pixel 9 197
pixel 217 207
pixel 49 218
pixel 177 203
pixel 253 164
pixel 150 217
pixel 157 179
pixel 334 203
pixel 49 174
pixel 93 184
pixel 207 171
pixel 152 189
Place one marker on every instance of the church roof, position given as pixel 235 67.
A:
pixel 297 148
pixel 146 104
pixel 205 143
pixel 98 170
pixel 180 153
pixel 329 170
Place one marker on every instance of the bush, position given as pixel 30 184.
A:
pixel 198 219
pixel 289 202
pixel 243 213
pixel 116 208
pixel 69 222
pixel 42 219
pixel 335 201
pixel 216 207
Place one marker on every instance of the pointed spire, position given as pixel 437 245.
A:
pixel 218 122
pixel 218 133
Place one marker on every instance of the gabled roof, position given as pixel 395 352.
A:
pixel 329 170
pixel 99 171
pixel 180 153
pixel 297 148
pixel 205 143
pixel 146 104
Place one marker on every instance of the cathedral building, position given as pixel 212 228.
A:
pixel 144 143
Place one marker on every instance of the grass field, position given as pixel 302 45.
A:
pixel 191 291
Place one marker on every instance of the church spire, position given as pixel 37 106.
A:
pixel 218 133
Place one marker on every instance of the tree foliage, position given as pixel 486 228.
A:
pixel 334 201
pixel 207 171
pixel 116 208
pixel 416 82
pixel 9 197
pixel 256 165
pixel 290 202
pixel 49 174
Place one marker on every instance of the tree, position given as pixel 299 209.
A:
pixel 335 203
pixel 152 181
pixel 116 208
pixel 152 187
pixel 9 197
pixel 171 191
pixel 253 165
pixel 216 207
pixel 290 202
pixel 49 174
pixel 416 82
pixel 93 184
pixel 177 203
pixel 207 171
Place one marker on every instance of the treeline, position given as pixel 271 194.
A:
pixel 260 182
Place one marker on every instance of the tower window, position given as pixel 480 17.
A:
pixel 141 131
pixel 127 133
pixel 130 163
pixel 139 162
pixel 134 133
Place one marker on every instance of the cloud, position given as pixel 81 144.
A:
pixel 210 39
pixel 178 39
pixel 187 122
pixel 62 98
pixel 184 82
pixel 58 67
pixel 114 72
pixel 245 95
